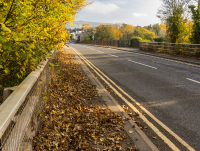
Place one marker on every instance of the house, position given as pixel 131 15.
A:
pixel 77 32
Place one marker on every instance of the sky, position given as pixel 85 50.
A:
pixel 134 12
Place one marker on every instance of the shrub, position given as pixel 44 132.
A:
pixel 144 33
pixel 87 39
pixel 159 39
pixel 137 38
pixel 146 40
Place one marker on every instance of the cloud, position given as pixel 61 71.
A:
pixel 122 2
pixel 102 8
pixel 139 15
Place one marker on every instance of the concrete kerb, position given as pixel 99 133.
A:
pixel 155 55
pixel 143 143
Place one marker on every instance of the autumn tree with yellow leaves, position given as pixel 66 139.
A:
pixel 86 26
pixel 144 34
pixel 89 31
pixel 29 30
pixel 107 32
pixel 127 31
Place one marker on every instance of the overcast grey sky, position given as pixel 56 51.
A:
pixel 134 12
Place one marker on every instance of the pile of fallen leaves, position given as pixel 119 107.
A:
pixel 134 116
pixel 71 121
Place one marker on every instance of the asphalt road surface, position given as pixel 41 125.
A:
pixel 169 90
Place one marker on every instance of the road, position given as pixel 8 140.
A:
pixel 167 89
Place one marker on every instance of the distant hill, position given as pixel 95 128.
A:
pixel 78 24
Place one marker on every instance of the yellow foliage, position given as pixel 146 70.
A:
pixel 35 28
pixel 163 26
pixel 86 26
pixel 127 31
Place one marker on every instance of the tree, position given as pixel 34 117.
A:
pixel 163 30
pixel 29 30
pixel 195 37
pixel 156 29
pixel 127 31
pixel 169 6
pixel 172 13
pixel 159 30
pixel 86 26
pixel 176 26
pixel 72 36
pixel 144 33
pixel 107 32
pixel 90 32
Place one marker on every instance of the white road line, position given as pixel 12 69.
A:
pixel 100 51
pixel 143 64
pixel 112 55
pixel 158 58
pixel 193 80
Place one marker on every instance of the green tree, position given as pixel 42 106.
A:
pixel 90 32
pixel 156 29
pixel 172 14
pixel 195 37
pixel 176 26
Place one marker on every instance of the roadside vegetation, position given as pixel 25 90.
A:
pixel 180 24
pixel 29 31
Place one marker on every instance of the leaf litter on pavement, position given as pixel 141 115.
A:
pixel 71 120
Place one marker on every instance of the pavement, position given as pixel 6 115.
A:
pixel 137 136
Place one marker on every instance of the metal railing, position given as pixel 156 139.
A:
pixel 20 118
pixel 114 43
pixel 191 50
pixel 181 49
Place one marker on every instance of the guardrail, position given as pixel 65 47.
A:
pixel 19 113
pixel 181 49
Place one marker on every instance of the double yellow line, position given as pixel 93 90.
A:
pixel 119 92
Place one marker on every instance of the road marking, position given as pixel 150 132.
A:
pixel 142 64
pixel 158 57
pixel 193 80
pixel 155 129
pixel 113 55
pixel 99 51
pixel 163 137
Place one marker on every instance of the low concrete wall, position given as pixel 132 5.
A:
pixel 19 120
